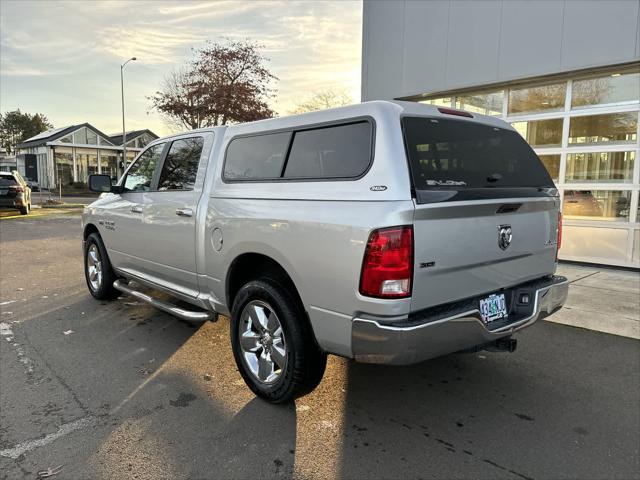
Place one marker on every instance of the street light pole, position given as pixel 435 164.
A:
pixel 124 132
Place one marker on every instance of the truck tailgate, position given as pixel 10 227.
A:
pixel 458 252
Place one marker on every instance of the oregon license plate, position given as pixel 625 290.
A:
pixel 493 307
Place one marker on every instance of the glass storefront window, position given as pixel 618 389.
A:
pixel 438 102
pixel 611 205
pixel 541 133
pixel 109 165
pixel 484 103
pixel 63 168
pixel 552 164
pixel 600 167
pixel 615 88
pixel 82 166
pixel 92 167
pixel 604 129
pixel 544 98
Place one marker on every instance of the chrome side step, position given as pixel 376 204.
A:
pixel 189 315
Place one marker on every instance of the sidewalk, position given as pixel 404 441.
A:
pixel 602 299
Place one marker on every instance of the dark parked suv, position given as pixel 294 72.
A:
pixel 14 192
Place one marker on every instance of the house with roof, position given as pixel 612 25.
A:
pixel 65 157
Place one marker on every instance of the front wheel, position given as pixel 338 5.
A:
pixel 97 269
pixel 272 342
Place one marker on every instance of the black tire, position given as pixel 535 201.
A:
pixel 305 362
pixel 24 210
pixel 105 290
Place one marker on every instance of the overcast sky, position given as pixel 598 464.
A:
pixel 62 58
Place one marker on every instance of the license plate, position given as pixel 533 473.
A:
pixel 493 307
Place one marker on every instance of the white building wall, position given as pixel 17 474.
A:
pixel 423 47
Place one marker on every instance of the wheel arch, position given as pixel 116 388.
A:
pixel 245 267
pixel 253 265
pixel 88 230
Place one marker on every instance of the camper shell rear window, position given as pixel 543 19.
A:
pixel 459 155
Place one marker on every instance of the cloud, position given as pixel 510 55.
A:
pixel 311 46
pixel 150 44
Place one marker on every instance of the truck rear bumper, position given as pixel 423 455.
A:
pixel 452 328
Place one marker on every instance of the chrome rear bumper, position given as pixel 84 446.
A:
pixel 375 342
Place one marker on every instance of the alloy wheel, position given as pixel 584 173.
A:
pixel 94 267
pixel 262 342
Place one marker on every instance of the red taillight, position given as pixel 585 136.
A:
pixel 451 111
pixel 559 241
pixel 387 268
pixel 16 188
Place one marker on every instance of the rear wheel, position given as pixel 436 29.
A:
pixel 97 269
pixel 272 342
pixel 24 210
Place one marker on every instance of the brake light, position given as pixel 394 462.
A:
pixel 451 111
pixel 387 268
pixel 16 188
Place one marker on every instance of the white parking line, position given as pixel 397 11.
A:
pixel 29 445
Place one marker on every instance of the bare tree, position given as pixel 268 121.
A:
pixel 322 100
pixel 224 83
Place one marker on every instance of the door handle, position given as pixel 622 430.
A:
pixel 184 212
pixel 136 209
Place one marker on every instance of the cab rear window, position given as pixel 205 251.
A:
pixel 461 154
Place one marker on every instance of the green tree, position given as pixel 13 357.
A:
pixel 16 127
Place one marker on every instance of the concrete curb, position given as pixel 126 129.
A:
pixel 64 205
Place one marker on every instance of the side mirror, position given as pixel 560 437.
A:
pixel 100 183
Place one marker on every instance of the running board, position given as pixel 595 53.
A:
pixel 189 315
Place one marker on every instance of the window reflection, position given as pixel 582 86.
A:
pixel 484 103
pixel 608 205
pixel 615 88
pixel 537 99
pixel 552 164
pixel 601 129
pixel 539 133
pixel 601 166
pixel 438 102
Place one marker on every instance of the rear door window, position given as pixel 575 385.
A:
pixel 461 154
pixel 140 175
pixel 342 151
pixel 181 165
pixel 257 157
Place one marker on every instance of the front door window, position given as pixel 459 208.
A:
pixel 140 175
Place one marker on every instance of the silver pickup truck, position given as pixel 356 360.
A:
pixel 386 232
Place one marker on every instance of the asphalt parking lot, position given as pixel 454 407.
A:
pixel 120 390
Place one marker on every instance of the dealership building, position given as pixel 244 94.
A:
pixel 565 74
pixel 63 158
